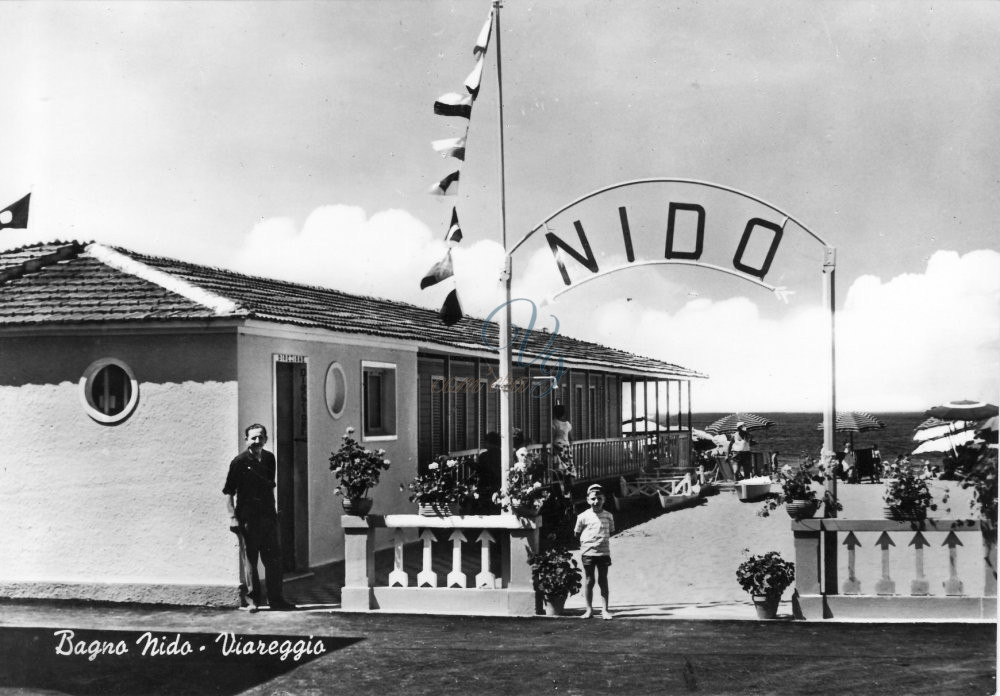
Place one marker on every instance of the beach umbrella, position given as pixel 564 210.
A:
pixel 854 422
pixel 935 427
pixel 728 424
pixel 963 410
pixel 946 442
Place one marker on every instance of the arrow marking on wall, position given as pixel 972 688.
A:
pixel 398 576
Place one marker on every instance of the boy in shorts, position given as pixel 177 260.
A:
pixel 595 527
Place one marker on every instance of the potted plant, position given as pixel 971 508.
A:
pixel 439 492
pixel 907 495
pixel 525 493
pixel 357 470
pixel 765 577
pixel 556 575
pixel 799 494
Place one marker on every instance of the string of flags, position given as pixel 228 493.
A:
pixel 15 215
pixel 456 105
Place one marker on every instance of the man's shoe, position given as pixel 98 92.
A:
pixel 250 607
pixel 282 606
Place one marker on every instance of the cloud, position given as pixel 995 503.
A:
pixel 904 343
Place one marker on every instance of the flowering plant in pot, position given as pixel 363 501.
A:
pixel 439 491
pixel 907 494
pixel 799 495
pixel 525 493
pixel 765 577
pixel 357 470
pixel 556 575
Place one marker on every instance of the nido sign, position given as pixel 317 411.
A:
pixel 672 221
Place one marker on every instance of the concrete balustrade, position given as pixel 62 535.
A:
pixel 884 569
pixel 504 589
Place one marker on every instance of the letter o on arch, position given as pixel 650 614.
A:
pixel 752 224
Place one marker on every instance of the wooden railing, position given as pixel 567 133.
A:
pixel 881 569
pixel 603 458
pixel 428 575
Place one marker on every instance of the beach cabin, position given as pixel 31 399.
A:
pixel 126 381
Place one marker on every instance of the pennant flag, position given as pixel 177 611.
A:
pixel 454 234
pixel 450 147
pixel 451 310
pixel 484 36
pixel 439 271
pixel 452 104
pixel 475 77
pixel 16 214
pixel 448 186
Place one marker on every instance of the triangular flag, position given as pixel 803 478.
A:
pixel 450 147
pixel 454 234
pixel 452 104
pixel 16 214
pixel 439 271
pixel 448 186
pixel 484 36
pixel 475 77
pixel 451 310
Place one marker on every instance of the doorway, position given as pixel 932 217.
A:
pixel 291 449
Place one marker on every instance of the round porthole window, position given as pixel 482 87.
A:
pixel 336 390
pixel 109 391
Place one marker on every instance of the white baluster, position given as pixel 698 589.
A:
pixel 485 578
pixel 953 586
pixel 851 585
pixel 885 584
pixel 398 576
pixel 456 578
pixel 427 577
pixel 919 585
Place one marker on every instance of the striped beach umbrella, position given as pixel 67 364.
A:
pixel 963 410
pixel 751 421
pixel 855 422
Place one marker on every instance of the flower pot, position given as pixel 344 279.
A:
pixel 359 507
pixel 554 604
pixel 767 606
pixel 899 514
pixel 437 509
pixel 526 509
pixel 801 509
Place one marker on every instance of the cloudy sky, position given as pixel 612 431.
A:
pixel 293 140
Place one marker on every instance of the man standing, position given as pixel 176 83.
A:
pixel 253 518
pixel 741 452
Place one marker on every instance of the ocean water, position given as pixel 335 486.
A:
pixel 795 434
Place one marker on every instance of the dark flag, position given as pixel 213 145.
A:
pixel 447 186
pixel 451 310
pixel 439 271
pixel 16 214
pixel 454 231
pixel 452 104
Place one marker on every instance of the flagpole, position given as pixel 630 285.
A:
pixel 506 427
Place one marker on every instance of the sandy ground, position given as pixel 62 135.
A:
pixel 683 563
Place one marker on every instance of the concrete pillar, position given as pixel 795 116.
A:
pixel 359 564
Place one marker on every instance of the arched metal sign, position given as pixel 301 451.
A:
pixel 685 222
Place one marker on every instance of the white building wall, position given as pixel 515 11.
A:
pixel 132 511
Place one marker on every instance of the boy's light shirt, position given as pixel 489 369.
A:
pixel 595 530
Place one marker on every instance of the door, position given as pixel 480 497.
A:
pixel 291 450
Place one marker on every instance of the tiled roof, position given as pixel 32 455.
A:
pixel 72 283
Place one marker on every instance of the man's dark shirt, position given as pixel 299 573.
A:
pixel 252 483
